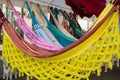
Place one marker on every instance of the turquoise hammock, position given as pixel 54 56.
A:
pixel 37 27
pixel 62 38
pixel 76 30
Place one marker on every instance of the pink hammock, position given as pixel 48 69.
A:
pixel 34 38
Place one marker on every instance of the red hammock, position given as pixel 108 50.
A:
pixel 86 7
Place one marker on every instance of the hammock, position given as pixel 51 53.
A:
pixel 36 40
pixel 83 8
pixel 22 44
pixel 26 47
pixel 76 30
pixel 36 26
pixel 78 45
pixel 97 49
pixel 60 27
pixel 63 39
pixel 41 21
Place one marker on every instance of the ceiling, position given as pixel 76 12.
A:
pixel 55 3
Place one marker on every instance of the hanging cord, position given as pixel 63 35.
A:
pixel 50 2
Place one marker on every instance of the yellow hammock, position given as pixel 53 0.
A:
pixel 88 56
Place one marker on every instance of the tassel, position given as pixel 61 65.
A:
pixel 6 71
pixel 106 67
pixel 22 74
pixel 19 74
pixel 99 72
pixel 118 63
pixel 93 72
pixel 16 72
pixel 110 65
pixel 11 76
pixel 31 77
pixel 27 78
pixel 87 78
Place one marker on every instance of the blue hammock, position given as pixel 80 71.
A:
pixel 62 38
pixel 36 26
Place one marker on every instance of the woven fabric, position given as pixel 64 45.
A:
pixel 76 30
pixel 41 21
pixel 37 27
pixel 62 38
pixel 86 8
pixel 60 27
pixel 102 47
pixel 34 38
